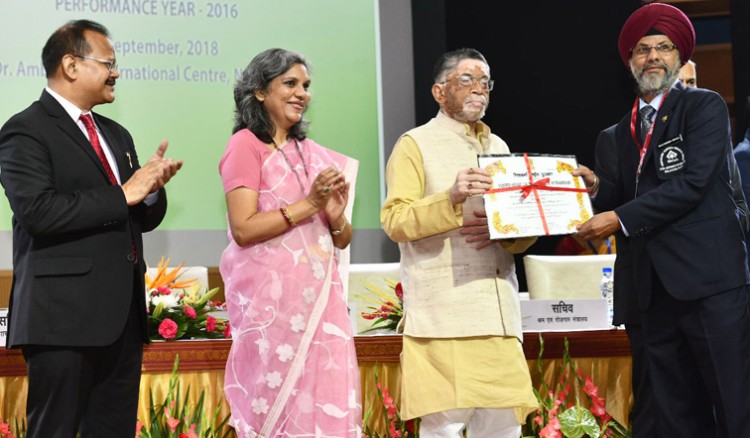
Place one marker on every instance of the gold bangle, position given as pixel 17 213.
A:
pixel 340 230
pixel 288 217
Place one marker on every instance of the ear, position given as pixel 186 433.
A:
pixel 68 66
pixel 260 96
pixel 438 93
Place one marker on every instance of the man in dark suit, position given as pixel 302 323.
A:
pixel 626 306
pixel 80 202
pixel 672 198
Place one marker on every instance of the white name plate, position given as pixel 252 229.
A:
pixel 3 327
pixel 564 315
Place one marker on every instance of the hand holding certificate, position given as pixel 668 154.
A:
pixel 534 195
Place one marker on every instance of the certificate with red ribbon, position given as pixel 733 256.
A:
pixel 534 195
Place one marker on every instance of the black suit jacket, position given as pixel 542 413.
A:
pixel 682 220
pixel 73 269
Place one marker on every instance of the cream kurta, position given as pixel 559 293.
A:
pixel 462 315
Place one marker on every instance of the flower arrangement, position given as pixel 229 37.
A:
pixel 397 428
pixel 174 420
pixel 559 417
pixel 180 309
pixel 388 309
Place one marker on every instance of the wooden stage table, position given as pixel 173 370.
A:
pixel 602 354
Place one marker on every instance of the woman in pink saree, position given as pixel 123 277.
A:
pixel 292 369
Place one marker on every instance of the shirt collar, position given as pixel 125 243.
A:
pixel 73 111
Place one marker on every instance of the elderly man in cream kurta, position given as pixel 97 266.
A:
pixel 463 366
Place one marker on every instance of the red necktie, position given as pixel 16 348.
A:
pixel 88 122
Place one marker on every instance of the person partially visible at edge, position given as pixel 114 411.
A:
pixel 77 304
pixel 463 366
pixel 689 74
pixel 672 200
pixel 292 368
pixel 742 157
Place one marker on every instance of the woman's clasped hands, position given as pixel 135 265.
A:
pixel 330 192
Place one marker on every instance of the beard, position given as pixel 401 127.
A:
pixel 655 83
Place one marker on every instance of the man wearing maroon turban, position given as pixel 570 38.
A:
pixel 683 243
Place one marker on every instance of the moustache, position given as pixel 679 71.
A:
pixel 110 81
pixel 658 64
pixel 483 101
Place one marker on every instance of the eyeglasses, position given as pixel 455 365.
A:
pixel 662 48
pixel 111 65
pixel 466 80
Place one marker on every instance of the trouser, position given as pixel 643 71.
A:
pixel 478 422
pixel 698 354
pixel 93 390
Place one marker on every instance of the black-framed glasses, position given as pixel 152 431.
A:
pixel 111 65
pixel 662 48
pixel 467 80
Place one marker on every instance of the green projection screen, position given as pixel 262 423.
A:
pixel 178 63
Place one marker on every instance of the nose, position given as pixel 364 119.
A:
pixel 301 92
pixel 652 53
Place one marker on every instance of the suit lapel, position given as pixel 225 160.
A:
pixel 71 130
pixel 662 119
pixel 119 151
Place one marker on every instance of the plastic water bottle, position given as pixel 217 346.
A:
pixel 606 286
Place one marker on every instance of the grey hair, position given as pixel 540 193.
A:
pixel 257 76
pixel 449 61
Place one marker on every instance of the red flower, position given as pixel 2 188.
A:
pixel 590 389
pixel 399 291
pixel 228 331
pixel 394 432
pixel 163 290
pixel 171 422
pixel 409 424
pixel 597 407
pixel 210 324
pixel 5 429
pixel 138 427
pixel 189 312
pixel 168 329
pixel 550 432
pixel 389 404
pixel 190 433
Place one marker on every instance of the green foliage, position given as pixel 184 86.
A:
pixel 560 413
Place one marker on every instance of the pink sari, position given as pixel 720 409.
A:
pixel 292 369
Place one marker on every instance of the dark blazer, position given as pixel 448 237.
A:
pixel 682 221
pixel 73 270
pixel 742 158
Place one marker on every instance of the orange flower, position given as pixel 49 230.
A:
pixel 165 278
